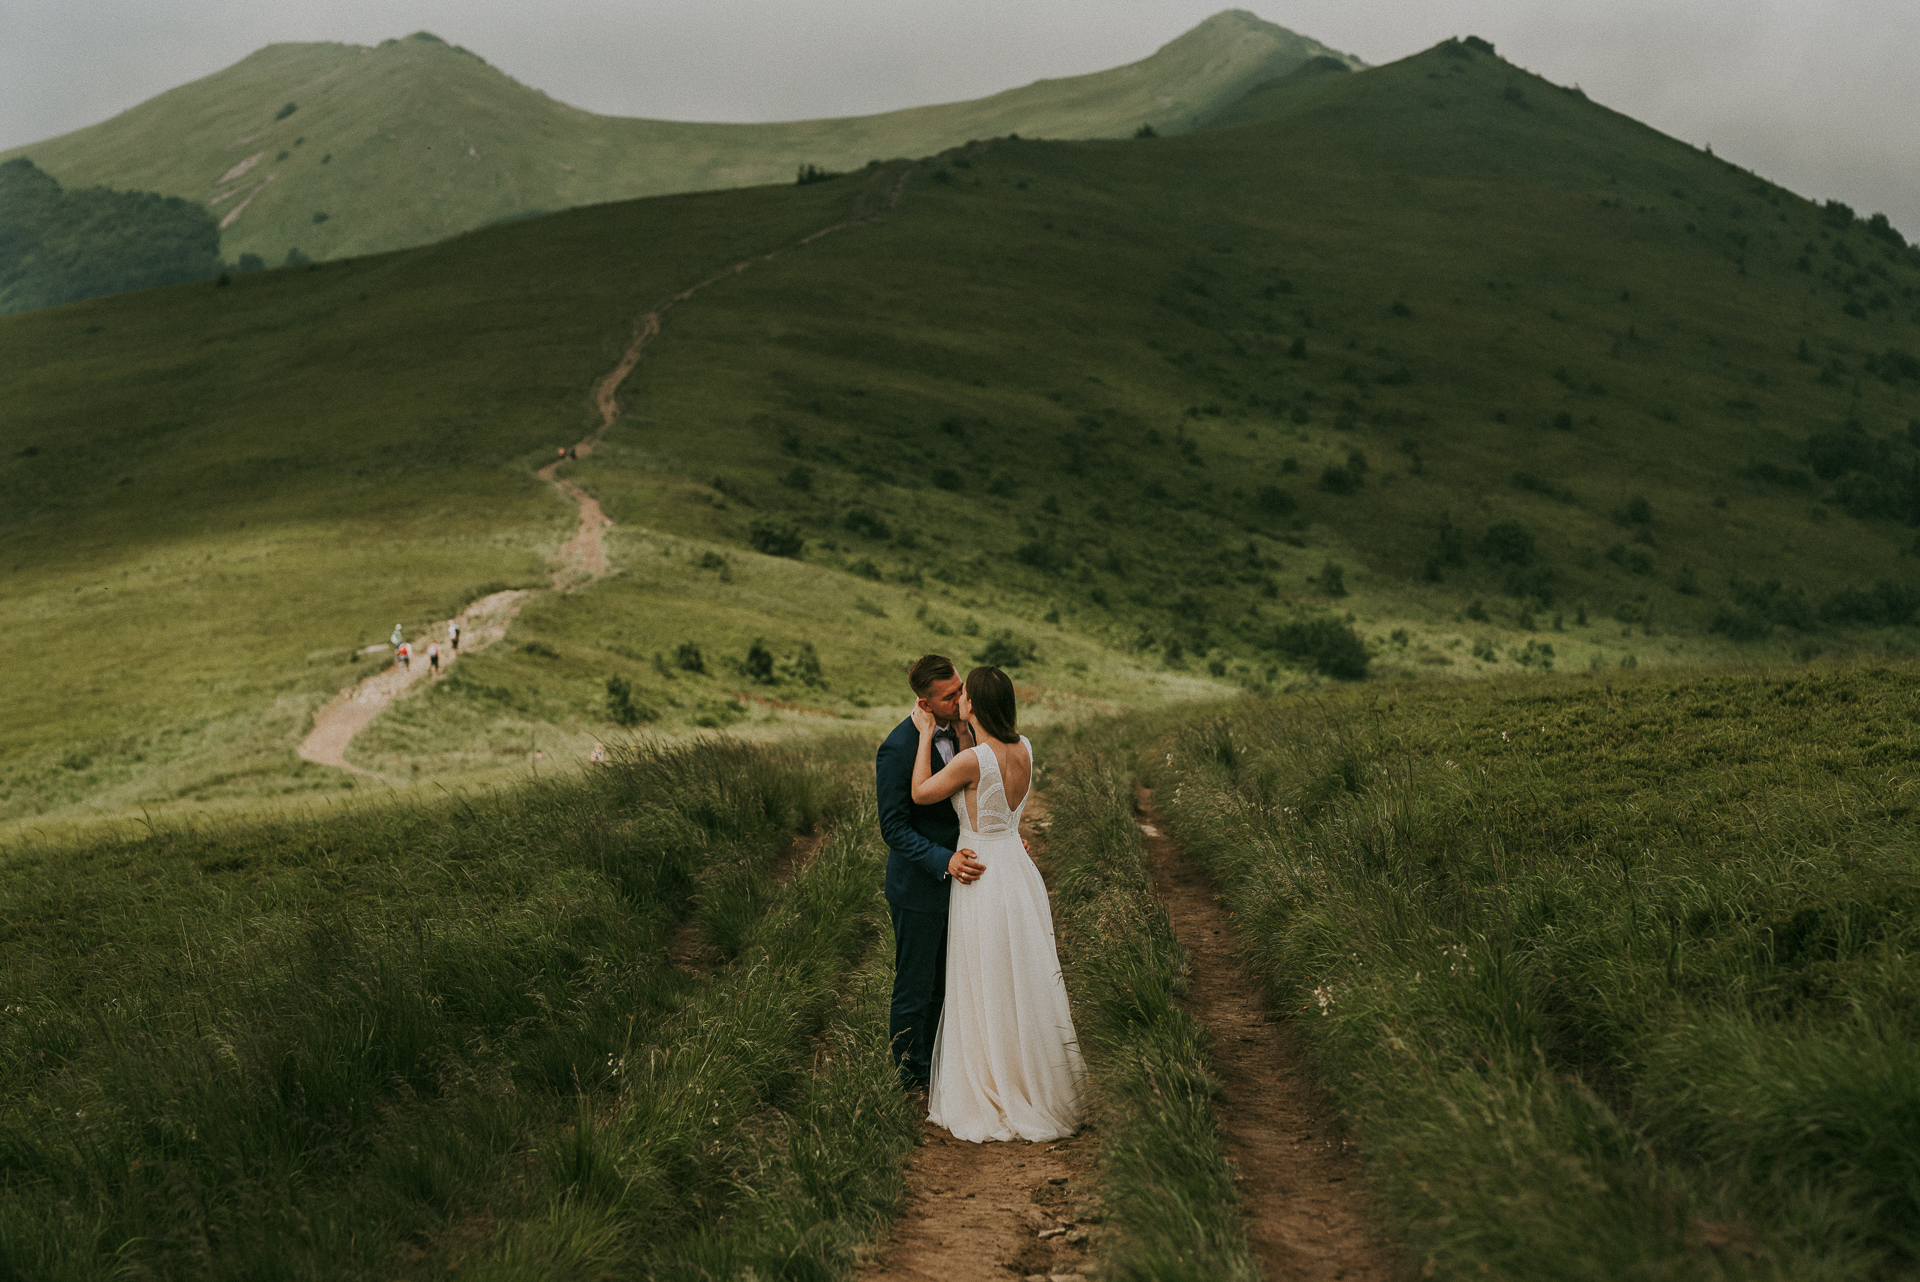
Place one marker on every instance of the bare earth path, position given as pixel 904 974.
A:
pixel 1310 1213
pixel 992 1212
pixel 583 558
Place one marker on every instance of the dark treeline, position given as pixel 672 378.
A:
pixel 59 246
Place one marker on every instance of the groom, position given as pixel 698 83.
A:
pixel 921 864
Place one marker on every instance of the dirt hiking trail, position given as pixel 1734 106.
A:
pixel 583 557
pixel 994 1212
pixel 1310 1211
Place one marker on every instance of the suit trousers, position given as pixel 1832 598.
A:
pixel 919 987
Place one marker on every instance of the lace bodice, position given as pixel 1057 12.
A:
pixel 982 807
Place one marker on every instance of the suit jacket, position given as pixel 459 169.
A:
pixel 920 839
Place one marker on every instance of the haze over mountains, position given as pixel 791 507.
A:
pixel 334 149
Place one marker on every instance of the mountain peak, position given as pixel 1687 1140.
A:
pixel 1235 26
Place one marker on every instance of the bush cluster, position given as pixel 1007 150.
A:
pixel 1757 606
pixel 775 539
pixel 1327 644
pixel 1005 650
pixel 1886 605
pixel 59 246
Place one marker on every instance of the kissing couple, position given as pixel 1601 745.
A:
pixel 980 1019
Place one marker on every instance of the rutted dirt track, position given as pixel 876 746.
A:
pixel 978 1211
pixel 1310 1212
pixel 583 558
pixel 993 1212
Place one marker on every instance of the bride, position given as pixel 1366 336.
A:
pixel 1005 1062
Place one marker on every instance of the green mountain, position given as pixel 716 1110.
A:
pixel 337 150
pixel 1439 352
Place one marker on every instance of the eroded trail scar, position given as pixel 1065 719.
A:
pixel 688 952
pixel 992 1212
pixel 583 557
pixel 1310 1212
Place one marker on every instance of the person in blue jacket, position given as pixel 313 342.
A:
pixel 922 865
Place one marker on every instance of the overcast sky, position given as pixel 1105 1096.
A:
pixel 1818 95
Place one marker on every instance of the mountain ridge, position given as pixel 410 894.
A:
pixel 335 150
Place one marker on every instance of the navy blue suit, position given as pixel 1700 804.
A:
pixel 920 841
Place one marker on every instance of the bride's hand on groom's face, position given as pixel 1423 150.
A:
pixel 922 719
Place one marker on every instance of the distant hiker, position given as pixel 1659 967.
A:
pixel 394 640
pixel 453 633
pixel 573 451
pixel 433 657
pixel 406 656
pixel 599 753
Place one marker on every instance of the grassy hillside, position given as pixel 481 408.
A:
pixel 336 150
pixel 1509 379
pixel 1660 932
pixel 1275 96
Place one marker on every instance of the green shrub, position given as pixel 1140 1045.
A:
pixel 1508 543
pixel 1833 454
pixel 775 539
pixel 1886 605
pixel 867 523
pixel 621 708
pixel 1881 229
pixel 1336 479
pixel 1005 650
pixel 804 667
pixel 1758 606
pixel 688 658
pixel 1326 643
pixel 1274 501
pixel 1041 554
pixel 758 665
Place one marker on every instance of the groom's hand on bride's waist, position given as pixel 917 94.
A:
pixel 964 868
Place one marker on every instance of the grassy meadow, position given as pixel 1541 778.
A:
pixel 1613 974
pixel 680 621
pixel 1609 972
pixel 336 150
pixel 421 1040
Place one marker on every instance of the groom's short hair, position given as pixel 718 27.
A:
pixel 928 670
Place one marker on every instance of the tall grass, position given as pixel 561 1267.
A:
pixel 1614 979
pixel 1169 1192
pixel 316 1048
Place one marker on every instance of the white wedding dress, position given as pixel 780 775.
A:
pixel 1005 1062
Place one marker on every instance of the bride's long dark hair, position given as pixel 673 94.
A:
pixel 991 692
